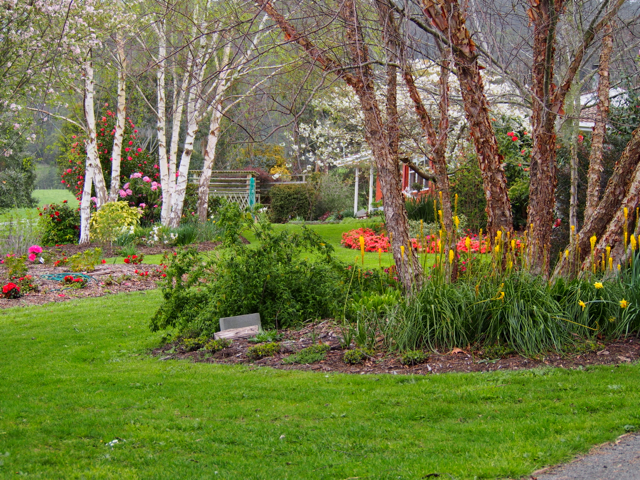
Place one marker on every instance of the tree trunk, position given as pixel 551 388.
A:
pixel 542 188
pixel 161 112
pixel 359 77
pixel 209 161
pixel 121 116
pixel 600 128
pixel 615 193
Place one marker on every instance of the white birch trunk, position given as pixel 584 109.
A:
pixel 178 109
pixel 93 159
pixel 209 161
pixel 355 196
pixel 121 116
pixel 370 204
pixel 85 204
pixel 161 115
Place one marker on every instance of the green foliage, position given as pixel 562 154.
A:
pixel 496 351
pixel 466 182
pixel 413 357
pixel 113 219
pixel 290 201
pixel 16 187
pixel 314 353
pixel 214 346
pixel 332 194
pixel 60 224
pixel 193 344
pixel 85 261
pixel 272 279
pixel 18 232
pixel 422 208
pixel 267 336
pixel 263 350
pixel 16 266
pixel 357 355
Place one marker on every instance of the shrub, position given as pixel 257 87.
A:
pixel 332 195
pixel 357 355
pixel 85 261
pixel 290 201
pixel 16 266
pixel 273 280
pixel 133 259
pixel 17 234
pixel 214 346
pixel 60 224
pixel 74 282
pixel 312 354
pixel 422 208
pixel 413 357
pixel 263 350
pixel 193 344
pixel 113 219
pixel 11 290
pixel 15 189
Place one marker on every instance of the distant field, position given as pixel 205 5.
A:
pixel 46 197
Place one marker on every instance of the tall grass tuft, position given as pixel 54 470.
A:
pixel 17 234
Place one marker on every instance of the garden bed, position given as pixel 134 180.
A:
pixel 114 251
pixel 106 279
pixel 610 353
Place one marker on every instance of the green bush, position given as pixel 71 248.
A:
pixel 357 355
pixel 85 261
pixel 414 357
pixel 333 194
pixel 214 346
pixel 291 201
pixel 312 354
pixel 112 220
pixel 266 336
pixel 263 350
pixel 60 224
pixel 193 344
pixel 16 187
pixel 422 208
pixel 273 280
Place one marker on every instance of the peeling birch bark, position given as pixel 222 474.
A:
pixel 600 127
pixel 209 161
pixel 121 116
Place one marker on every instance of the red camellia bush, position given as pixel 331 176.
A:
pixel 11 290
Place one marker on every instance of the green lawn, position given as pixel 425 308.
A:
pixel 46 197
pixel 75 376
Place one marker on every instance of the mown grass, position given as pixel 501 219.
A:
pixel 47 197
pixel 77 375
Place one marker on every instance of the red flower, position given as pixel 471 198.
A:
pixel 126 260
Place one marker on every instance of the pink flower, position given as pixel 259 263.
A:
pixel 129 192
pixel 155 206
pixel 122 193
pixel 126 185
pixel 146 179
pixel 130 142
pixel 136 175
pixel 68 170
pixel 35 249
pixel 139 150
pixel 32 257
pixel 142 205
pixel 127 149
pixel 154 188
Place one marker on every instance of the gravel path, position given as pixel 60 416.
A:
pixel 617 461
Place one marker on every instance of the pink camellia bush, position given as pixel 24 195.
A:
pixel 33 250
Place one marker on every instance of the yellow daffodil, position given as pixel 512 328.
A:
pixel 582 304
pixel 598 285
pixel 624 303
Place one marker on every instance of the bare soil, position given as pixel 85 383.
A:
pixel 458 360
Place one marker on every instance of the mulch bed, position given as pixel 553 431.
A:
pixel 613 353
pixel 106 279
